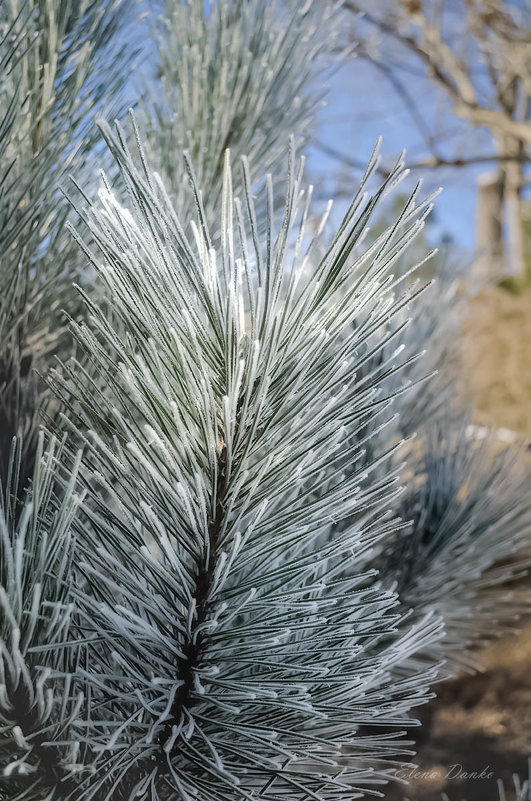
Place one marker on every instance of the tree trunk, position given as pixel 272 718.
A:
pixel 514 262
pixel 489 225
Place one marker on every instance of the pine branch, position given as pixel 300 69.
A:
pixel 57 64
pixel 53 71
pixel 35 574
pixel 467 543
pixel 204 583
pixel 465 537
pixel 238 74
pixel 236 650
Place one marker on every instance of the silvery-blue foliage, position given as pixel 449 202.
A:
pixel 191 609
pixel 59 63
pixel 468 511
pixel 238 74
pixel 239 651
pixel 38 697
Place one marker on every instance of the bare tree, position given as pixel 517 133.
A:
pixel 478 52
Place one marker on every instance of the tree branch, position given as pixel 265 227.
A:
pixel 447 71
pixel 194 648
pixel 427 163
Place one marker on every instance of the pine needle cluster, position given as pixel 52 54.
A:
pixel 227 569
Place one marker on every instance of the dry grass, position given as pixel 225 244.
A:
pixel 496 359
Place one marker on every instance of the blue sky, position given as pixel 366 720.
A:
pixel 362 106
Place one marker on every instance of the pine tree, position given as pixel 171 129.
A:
pixel 467 543
pixel 38 700
pixel 57 65
pixel 238 74
pixel 466 507
pixel 241 652
pixel 212 584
